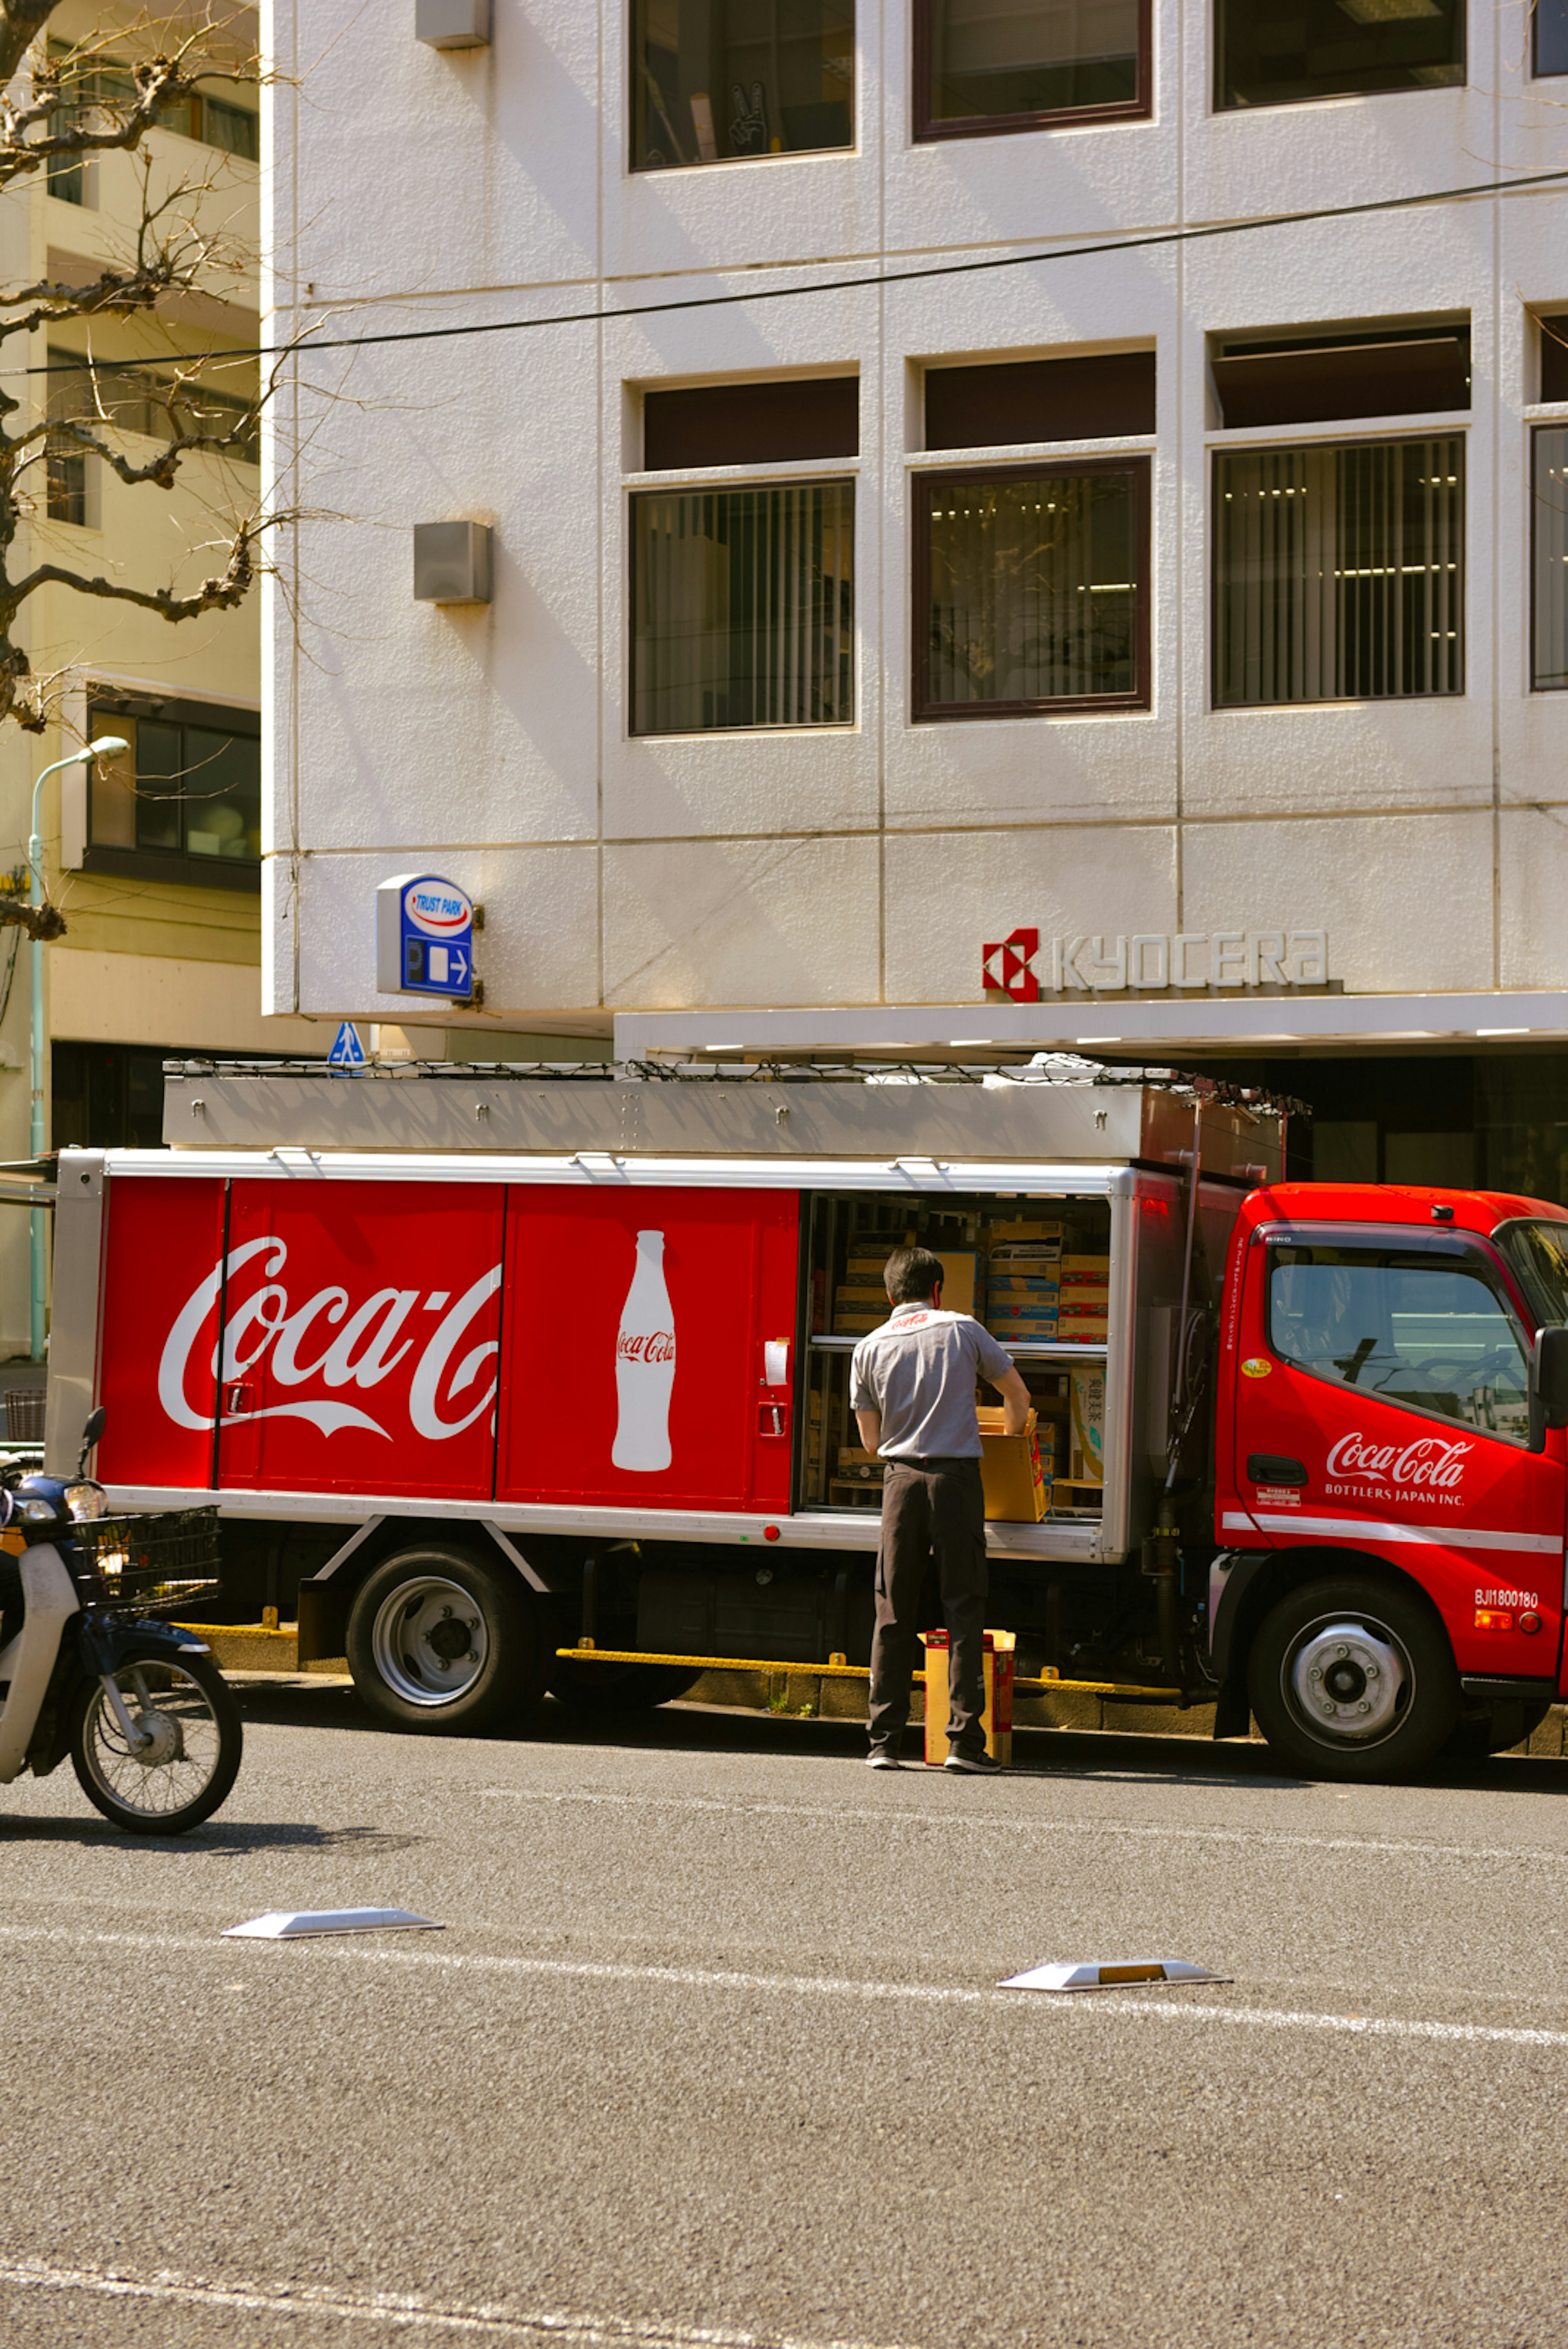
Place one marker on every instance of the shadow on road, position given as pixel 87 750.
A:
pixel 217 1839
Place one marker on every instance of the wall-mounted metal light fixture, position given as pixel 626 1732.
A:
pixel 452 562
pixel 452 24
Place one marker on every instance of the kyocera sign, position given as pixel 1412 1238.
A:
pixel 1025 968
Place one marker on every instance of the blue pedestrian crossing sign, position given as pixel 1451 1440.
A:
pixel 348 1052
pixel 424 936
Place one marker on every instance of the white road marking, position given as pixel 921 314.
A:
pixel 813 1986
pixel 402 2310
pixel 994 1822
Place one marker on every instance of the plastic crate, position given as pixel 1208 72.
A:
pixel 156 1561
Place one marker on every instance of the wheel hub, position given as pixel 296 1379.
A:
pixel 1348 1681
pixel 429 1641
pixel 163 1741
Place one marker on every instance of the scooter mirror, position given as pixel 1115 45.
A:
pixel 90 1433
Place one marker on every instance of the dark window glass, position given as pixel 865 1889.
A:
pixel 713 80
pixel 1551 37
pixel 995 65
pixel 1361 375
pixel 66 475
pixel 1039 399
pixel 1032 590
pixel 1276 52
pixel 1339 573
pixel 1430 1334
pixel 106 1097
pixel 744 609
pixel 752 423
pixel 1554 357
pixel 1549 584
pixel 185 802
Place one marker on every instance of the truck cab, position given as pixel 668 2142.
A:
pixel 1390 1464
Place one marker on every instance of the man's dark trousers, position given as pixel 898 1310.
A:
pixel 932 1510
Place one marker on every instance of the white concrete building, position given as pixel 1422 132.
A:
pixel 1184 602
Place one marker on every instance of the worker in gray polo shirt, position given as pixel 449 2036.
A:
pixel 912 1386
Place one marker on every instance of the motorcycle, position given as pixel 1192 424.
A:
pixel 151 1726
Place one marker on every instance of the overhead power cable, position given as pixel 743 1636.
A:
pixel 308 347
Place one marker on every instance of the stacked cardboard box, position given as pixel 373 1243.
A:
pixel 1022 1285
pixel 1085 1296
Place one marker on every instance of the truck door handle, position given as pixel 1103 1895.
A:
pixel 238 1395
pixel 1276 1468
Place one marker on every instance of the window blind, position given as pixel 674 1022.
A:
pixel 743 607
pixel 1339 572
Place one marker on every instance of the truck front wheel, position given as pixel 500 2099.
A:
pixel 442 1640
pixel 1352 1679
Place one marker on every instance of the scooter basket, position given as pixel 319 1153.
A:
pixel 156 1561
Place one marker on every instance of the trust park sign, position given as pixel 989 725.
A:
pixel 1024 967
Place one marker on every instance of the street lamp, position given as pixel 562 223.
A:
pixel 107 746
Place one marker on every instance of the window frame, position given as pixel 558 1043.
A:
pixel 1468 1254
pixel 104 705
pixel 1545 424
pixel 924 481
pixel 927 128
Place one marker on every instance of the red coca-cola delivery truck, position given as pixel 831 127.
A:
pixel 508 1381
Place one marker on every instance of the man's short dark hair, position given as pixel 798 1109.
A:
pixel 910 1274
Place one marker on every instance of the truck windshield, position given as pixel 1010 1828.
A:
pixel 1538 1252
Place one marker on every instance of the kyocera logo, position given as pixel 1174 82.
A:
pixel 440 913
pixel 1429 1462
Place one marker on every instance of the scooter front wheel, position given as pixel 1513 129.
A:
pixel 187 1752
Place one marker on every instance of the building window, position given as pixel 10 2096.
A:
pixel 743 607
pixel 1339 572
pixel 1550 29
pixel 65 473
pixel 1031 589
pixel 1109 395
pixel 1549 533
pixel 1554 336
pixel 1280 51
pixel 798 420
pixel 716 80
pixel 184 803
pixel 1362 371
pixel 1012 65
pixel 106 1097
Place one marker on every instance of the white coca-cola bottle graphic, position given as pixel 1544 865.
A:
pixel 645 1363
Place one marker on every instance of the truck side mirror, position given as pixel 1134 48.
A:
pixel 1551 1379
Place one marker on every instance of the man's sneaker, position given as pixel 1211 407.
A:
pixel 882 1757
pixel 975 1766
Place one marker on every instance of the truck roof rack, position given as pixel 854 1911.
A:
pixel 1042 1069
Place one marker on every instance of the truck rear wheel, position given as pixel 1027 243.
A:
pixel 442 1640
pixel 1353 1679
pixel 608 1689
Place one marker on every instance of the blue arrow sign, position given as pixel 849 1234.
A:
pixel 348 1052
pixel 424 936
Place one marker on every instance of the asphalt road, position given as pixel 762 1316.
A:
pixel 711 2051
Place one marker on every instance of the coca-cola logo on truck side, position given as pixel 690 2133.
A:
pixel 1429 1463
pixel 347 1345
